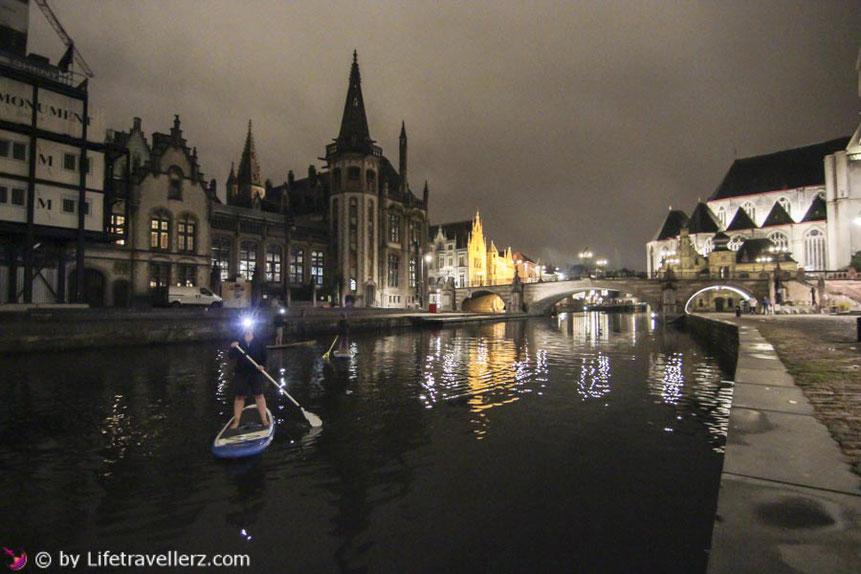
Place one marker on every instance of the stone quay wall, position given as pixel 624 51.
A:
pixel 54 329
pixel 717 336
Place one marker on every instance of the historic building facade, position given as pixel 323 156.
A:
pixel 780 197
pixel 273 239
pixel 162 224
pixel 352 232
pixel 462 256
pixel 805 201
pixel 378 227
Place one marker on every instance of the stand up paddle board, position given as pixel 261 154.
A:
pixel 248 439
pixel 339 354
pixel 292 344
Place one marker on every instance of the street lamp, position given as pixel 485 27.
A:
pixel 585 256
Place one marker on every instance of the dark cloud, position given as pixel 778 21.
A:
pixel 567 124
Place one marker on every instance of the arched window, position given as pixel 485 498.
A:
pixel 394 227
pixel 781 242
pixel 371 243
pixel 159 235
pixel 273 264
pixel 785 204
pixel 371 176
pixel 336 178
pixel 297 265
pixel 354 173
pixel 247 259
pixel 708 247
pixel 750 209
pixel 735 242
pixel 354 224
pixel 221 247
pixel 721 214
pixel 317 264
pixel 814 250
pixel 335 221
pixel 186 229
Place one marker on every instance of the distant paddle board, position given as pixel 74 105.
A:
pixel 338 354
pixel 248 439
pixel 293 344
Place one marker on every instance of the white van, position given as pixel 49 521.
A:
pixel 178 296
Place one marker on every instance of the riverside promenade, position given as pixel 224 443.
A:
pixel 789 499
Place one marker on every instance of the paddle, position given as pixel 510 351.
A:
pixel 313 419
pixel 329 352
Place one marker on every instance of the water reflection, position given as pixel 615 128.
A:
pixel 428 436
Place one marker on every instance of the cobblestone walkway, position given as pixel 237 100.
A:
pixel 823 355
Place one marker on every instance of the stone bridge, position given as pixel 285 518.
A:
pixel 663 296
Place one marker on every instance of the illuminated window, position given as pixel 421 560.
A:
pixel 118 227
pixel 414 269
pixel 159 234
pixel 186 275
pixel 159 274
pixel 317 263
pixel 780 240
pixel 750 209
pixel 185 234
pixel 247 259
pixel 273 264
pixel 297 265
pixel 814 250
pixel 735 243
pixel 221 247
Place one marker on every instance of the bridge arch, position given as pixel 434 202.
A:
pixel 744 292
pixel 496 303
pixel 541 298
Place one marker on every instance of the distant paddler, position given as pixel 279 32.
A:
pixel 278 322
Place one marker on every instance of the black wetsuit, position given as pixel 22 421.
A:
pixel 248 380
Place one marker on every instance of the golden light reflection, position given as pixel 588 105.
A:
pixel 488 371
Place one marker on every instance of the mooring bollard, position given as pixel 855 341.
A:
pixel 858 325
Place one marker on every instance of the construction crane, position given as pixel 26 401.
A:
pixel 61 32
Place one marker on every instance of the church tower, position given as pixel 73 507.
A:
pixel 246 187
pixel 354 162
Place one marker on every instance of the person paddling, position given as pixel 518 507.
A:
pixel 247 378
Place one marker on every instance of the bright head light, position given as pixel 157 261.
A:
pixel 247 323
pixel 281 310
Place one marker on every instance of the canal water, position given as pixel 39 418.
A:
pixel 585 443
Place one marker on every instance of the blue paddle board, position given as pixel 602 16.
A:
pixel 248 439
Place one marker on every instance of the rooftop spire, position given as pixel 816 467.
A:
pixel 249 169
pixel 354 134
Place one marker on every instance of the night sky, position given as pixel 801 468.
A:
pixel 567 124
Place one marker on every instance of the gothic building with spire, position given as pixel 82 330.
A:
pixel 378 227
pixel 353 231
